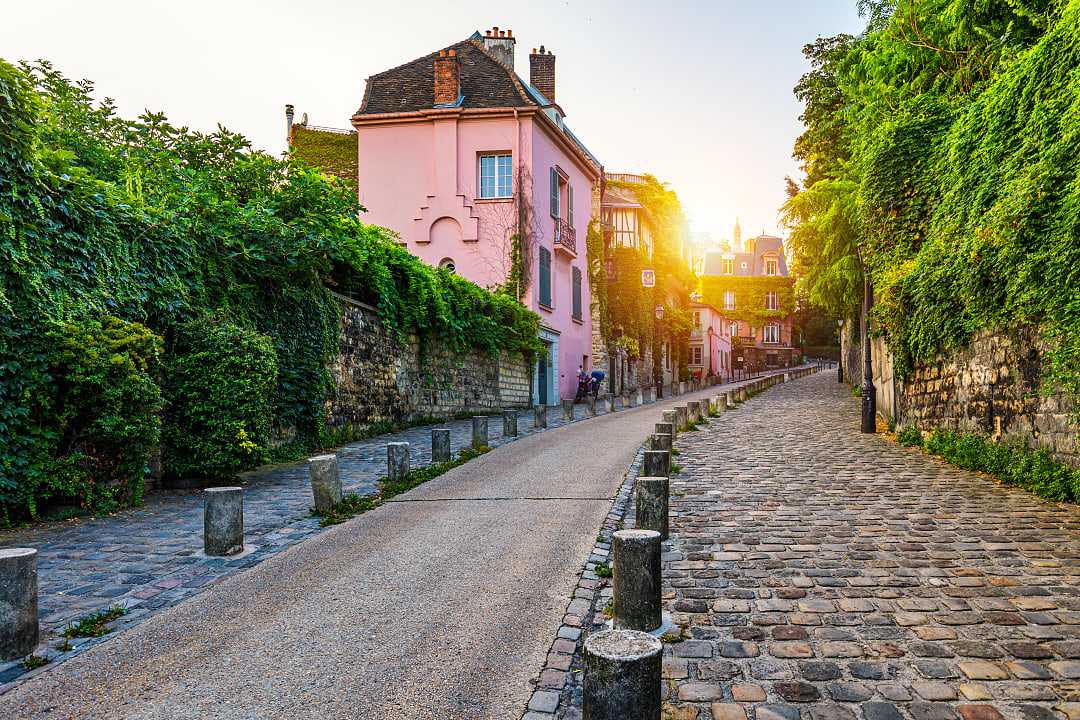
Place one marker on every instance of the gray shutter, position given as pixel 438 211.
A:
pixel 554 179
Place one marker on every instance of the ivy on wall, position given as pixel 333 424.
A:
pixel 335 153
pixel 750 292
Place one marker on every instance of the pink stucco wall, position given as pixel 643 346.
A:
pixel 712 335
pixel 420 180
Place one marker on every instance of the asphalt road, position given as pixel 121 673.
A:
pixel 442 604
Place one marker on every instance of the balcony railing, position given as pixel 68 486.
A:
pixel 565 236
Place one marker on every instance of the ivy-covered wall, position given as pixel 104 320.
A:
pixel 333 152
pixel 750 294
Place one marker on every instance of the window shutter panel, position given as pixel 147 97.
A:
pixel 570 204
pixel 577 293
pixel 545 277
pixel 554 179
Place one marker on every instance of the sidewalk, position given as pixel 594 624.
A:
pixel 823 574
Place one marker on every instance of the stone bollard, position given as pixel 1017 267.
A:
pixel 568 410
pixel 693 411
pixel 636 583
pixel 681 417
pixel 682 388
pixel 657 463
pixel 670 419
pixel 721 403
pixel 609 400
pixel 622 676
pixel 540 416
pixel 660 441
pixel 397 460
pixel 625 397
pixel 639 397
pixel 440 445
pixel 479 431
pixel 18 603
pixel 664 428
pixel 223 521
pixel 839 373
pixel 325 481
pixel 510 423
pixel 591 405
pixel 651 497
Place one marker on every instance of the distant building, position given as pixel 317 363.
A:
pixel 710 343
pixel 751 288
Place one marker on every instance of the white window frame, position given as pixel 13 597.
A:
pixel 727 266
pixel 502 177
pixel 775 266
pixel 734 329
pixel 772 300
pixel 771 334
pixel 729 299
pixel 699 352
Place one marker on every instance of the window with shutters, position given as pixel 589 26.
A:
pixel 695 355
pixel 545 277
pixel 553 178
pixel 577 294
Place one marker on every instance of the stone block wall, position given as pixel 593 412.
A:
pixel 379 377
pixel 993 387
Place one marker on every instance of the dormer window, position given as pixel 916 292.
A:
pixel 727 267
pixel 772 266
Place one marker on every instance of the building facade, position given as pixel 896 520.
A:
pixel 751 288
pixel 478 173
pixel 710 344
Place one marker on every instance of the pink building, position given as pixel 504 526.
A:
pixel 461 157
pixel 710 346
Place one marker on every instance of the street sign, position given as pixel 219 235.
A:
pixel 648 278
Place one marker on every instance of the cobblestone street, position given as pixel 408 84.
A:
pixel 825 574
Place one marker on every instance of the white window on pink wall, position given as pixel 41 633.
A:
pixel 772 333
pixel 496 175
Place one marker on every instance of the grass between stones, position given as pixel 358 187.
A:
pixel 603 570
pixel 93 625
pixel 352 504
pixel 32 662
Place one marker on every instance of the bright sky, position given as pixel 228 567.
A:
pixel 697 93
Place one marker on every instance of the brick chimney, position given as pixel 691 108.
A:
pixel 500 43
pixel 447 78
pixel 542 72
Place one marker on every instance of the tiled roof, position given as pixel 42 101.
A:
pixel 617 197
pixel 485 83
pixel 762 244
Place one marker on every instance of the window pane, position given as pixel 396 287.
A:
pixel 506 174
pixel 487 176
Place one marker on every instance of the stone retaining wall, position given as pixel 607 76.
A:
pixel 992 387
pixel 378 377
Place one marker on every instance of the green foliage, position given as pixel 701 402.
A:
pixel 909 436
pixel 603 570
pixel 750 294
pixel 105 217
pixel 335 153
pixel 93 625
pixel 1034 470
pixel 943 155
pixel 219 381
pixel 32 662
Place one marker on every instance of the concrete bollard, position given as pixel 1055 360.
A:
pixel 639 397
pixel 540 416
pixel 622 676
pixel 479 431
pixel 223 521
pixel 693 411
pixel 325 481
pixel 682 388
pixel 651 496
pixel 721 403
pixel 591 404
pixel 681 417
pixel 568 410
pixel 625 399
pixel 397 460
pixel 510 423
pixel 609 401
pixel 664 428
pixel 657 463
pixel 839 373
pixel 18 603
pixel 670 419
pixel 660 441
pixel 636 582
pixel 440 445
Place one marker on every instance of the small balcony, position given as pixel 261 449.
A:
pixel 565 237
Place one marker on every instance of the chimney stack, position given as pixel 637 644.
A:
pixel 447 78
pixel 500 43
pixel 288 123
pixel 542 72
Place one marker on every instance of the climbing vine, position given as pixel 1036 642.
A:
pixel 750 297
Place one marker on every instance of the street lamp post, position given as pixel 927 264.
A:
pixel 869 395
pixel 658 362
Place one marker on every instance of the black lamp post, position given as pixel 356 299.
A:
pixel 869 395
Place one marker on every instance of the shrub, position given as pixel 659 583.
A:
pixel 86 409
pixel 220 378
pixel 909 436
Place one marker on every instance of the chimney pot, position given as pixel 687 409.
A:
pixel 453 53
pixel 495 28
pixel 509 33
pixel 500 45
pixel 487 33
